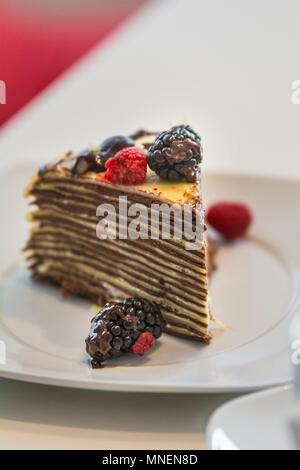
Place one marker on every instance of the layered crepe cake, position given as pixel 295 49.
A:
pixel 64 245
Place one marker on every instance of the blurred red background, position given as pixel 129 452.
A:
pixel 40 39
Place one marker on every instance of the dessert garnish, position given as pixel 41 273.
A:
pixel 87 160
pixel 231 219
pixel 176 154
pixel 128 166
pixel 143 344
pixel 94 160
pixel 112 145
pixel 131 325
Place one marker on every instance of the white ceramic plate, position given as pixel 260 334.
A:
pixel 255 294
pixel 261 421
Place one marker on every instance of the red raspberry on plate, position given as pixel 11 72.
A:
pixel 230 219
pixel 144 342
pixel 128 166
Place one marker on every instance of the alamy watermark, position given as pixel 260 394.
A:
pixel 2 353
pixel 295 358
pixel 295 96
pixel 2 92
pixel 156 222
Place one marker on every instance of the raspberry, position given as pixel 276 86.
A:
pixel 230 219
pixel 144 342
pixel 128 166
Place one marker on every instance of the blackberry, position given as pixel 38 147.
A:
pixel 150 319
pixel 141 325
pixel 176 154
pixel 117 343
pixel 135 334
pixel 117 328
pixel 149 329
pixel 147 312
pixel 128 342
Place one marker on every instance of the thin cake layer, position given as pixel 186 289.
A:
pixel 64 248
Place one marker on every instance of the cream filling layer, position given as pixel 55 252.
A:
pixel 157 260
pixel 122 279
pixel 146 273
pixel 177 246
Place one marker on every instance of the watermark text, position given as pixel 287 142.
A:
pixel 136 221
pixel 296 352
pixel 295 96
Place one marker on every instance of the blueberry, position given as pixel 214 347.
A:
pixel 116 330
pixel 109 147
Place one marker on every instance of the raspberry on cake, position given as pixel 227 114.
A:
pixel 128 166
pixel 63 246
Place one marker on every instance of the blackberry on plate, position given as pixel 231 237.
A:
pixel 131 325
pixel 176 154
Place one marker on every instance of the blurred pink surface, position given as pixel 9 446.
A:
pixel 35 49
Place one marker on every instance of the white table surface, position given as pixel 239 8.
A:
pixel 38 416
pixel 227 68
